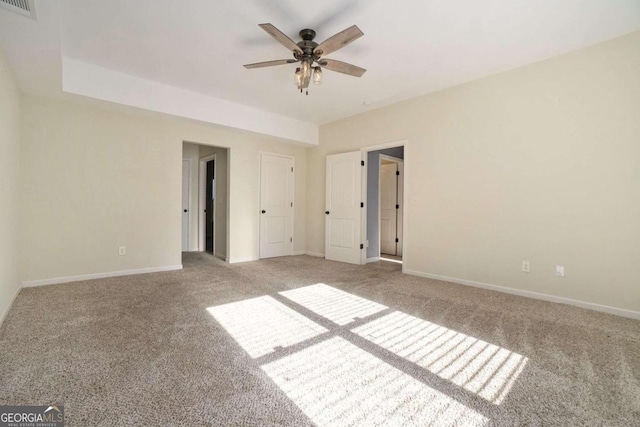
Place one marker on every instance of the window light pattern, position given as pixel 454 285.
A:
pixel 477 366
pixel 338 306
pixel 336 383
pixel 262 324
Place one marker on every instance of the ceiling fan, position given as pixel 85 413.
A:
pixel 308 53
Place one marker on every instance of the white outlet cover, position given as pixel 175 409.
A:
pixel 526 266
pixel 560 270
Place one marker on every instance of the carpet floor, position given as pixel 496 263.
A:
pixel 300 341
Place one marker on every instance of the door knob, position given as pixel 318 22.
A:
pixel 327 212
pixel 263 211
pixel 185 210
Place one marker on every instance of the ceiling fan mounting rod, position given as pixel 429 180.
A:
pixel 307 34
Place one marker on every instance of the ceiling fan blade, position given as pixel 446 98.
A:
pixel 280 37
pixel 340 40
pixel 342 67
pixel 270 63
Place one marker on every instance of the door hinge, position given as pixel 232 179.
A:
pixel 361 246
pixel 397 240
pixel 362 162
pixel 397 172
pixel 291 239
pixel 291 168
pixel 362 204
pixel 397 206
pixel 291 204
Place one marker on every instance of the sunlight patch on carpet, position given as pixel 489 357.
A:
pixel 482 368
pixel 338 306
pixel 262 324
pixel 336 383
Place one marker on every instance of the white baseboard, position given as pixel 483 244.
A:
pixel 222 257
pixel 316 254
pixel 298 253
pixel 6 311
pixel 242 259
pixel 67 279
pixel 373 259
pixel 531 294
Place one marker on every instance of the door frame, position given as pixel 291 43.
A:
pixel 398 161
pixel 405 198
pixel 189 167
pixel 293 197
pixel 202 203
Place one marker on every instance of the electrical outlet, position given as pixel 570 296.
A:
pixel 526 267
pixel 122 250
pixel 560 270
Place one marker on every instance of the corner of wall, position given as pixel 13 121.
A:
pixel 10 156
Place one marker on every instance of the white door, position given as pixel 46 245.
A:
pixel 186 175
pixel 276 205
pixel 343 215
pixel 400 214
pixel 388 210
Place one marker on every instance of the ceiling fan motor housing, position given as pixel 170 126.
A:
pixel 307 45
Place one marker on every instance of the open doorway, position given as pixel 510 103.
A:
pixel 385 204
pixel 391 207
pixel 208 195
pixel 209 185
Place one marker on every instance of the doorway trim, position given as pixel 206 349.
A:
pixel 202 202
pixel 405 198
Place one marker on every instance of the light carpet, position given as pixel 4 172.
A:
pixel 302 341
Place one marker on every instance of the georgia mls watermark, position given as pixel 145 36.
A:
pixel 32 416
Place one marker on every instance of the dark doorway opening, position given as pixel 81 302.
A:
pixel 210 200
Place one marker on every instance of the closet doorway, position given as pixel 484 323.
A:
pixel 385 204
pixel 391 206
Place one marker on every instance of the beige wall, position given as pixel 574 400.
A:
pixel 9 181
pixel 95 179
pixel 541 164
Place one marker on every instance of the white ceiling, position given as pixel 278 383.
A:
pixel 409 48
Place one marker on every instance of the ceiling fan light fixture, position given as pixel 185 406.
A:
pixel 306 70
pixel 317 75
pixel 298 77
